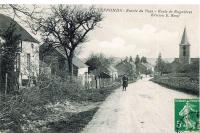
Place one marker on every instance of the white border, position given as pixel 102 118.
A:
pixel 99 1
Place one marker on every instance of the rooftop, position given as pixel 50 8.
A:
pixel 6 21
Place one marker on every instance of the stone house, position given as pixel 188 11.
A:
pixel 27 60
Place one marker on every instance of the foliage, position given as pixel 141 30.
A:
pixel 29 104
pixel 143 59
pixel 127 68
pixel 161 66
pixel 144 70
pixel 189 68
pixel 184 84
pixel 176 67
pixel 8 52
pixel 137 63
pixel 137 60
pixel 126 59
pixel 130 59
pixel 99 63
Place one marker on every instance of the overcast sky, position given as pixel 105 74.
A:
pixel 128 33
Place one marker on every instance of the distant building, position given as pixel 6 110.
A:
pixel 110 72
pixel 127 68
pixel 148 67
pixel 184 49
pixel 27 62
pixel 113 72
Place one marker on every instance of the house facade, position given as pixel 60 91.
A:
pixel 26 66
pixel 113 72
pixel 28 63
pixel 53 61
pixel 146 68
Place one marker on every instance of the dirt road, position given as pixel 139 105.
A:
pixel 145 107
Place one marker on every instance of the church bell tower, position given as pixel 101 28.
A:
pixel 184 49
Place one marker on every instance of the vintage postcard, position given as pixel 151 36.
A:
pixel 68 68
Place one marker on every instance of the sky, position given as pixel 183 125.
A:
pixel 126 31
pixel 130 33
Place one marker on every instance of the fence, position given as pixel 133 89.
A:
pixel 92 82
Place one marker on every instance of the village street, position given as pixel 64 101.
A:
pixel 145 107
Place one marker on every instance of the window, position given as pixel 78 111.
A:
pixel 28 61
pixel 184 50
pixel 32 45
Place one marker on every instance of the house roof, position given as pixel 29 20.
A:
pixel 123 68
pixel 6 21
pixel 184 39
pixel 147 65
pixel 104 75
pixel 112 69
pixel 76 61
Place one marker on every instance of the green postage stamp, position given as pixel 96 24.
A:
pixel 187 115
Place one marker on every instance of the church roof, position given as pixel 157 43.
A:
pixel 184 39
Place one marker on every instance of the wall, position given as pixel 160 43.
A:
pixel 82 71
pixel 33 50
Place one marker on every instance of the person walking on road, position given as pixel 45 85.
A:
pixel 124 82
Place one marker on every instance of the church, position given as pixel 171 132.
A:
pixel 184 49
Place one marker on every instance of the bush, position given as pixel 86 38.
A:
pixel 28 105
pixel 179 83
pixel 16 109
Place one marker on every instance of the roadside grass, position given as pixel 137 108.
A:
pixel 92 95
pixel 26 112
pixel 74 124
pixel 183 84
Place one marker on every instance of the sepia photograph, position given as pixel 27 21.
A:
pixel 99 68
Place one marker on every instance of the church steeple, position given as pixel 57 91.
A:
pixel 184 39
pixel 184 49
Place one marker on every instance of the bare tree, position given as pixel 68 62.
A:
pixel 26 14
pixel 67 27
pixel 99 63
pixel 19 9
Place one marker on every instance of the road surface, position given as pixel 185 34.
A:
pixel 145 107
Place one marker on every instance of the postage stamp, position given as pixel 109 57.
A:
pixel 187 115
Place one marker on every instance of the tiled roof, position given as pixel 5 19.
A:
pixel 5 22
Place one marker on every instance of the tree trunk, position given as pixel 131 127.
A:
pixel 11 77
pixel 70 65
